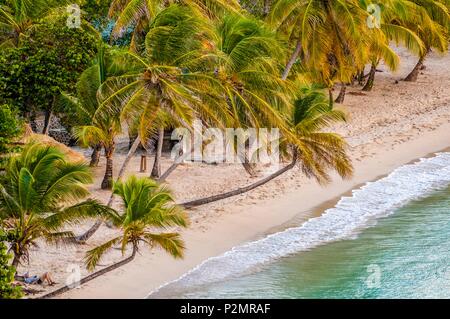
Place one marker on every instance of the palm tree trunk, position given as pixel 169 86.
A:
pixel 93 275
pixel 412 77
pixel 371 79
pixel 248 166
pixel 360 78
pixel 47 119
pixel 108 178
pixel 95 156
pixel 291 62
pixel 156 171
pixel 341 97
pixel 91 231
pixel 16 261
pixel 330 96
pixel 242 190
pixel 131 138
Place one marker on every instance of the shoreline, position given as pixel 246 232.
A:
pixel 395 124
pixel 138 280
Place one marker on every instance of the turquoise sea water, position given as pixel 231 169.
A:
pixel 400 251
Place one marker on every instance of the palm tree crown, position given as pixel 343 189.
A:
pixel 147 207
pixel 39 194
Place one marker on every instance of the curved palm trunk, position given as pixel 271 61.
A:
pixel 156 171
pixel 242 190
pixel 249 168
pixel 341 97
pixel 95 156
pixel 291 62
pixel 246 163
pixel 131 138
pixel 371 79
pixel 177 162
pixel 91 231
pixel 412 77
pixel 93 275
pixel 108 178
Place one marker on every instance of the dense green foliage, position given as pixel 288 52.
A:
pixel 7 272
pixel 10 127
pixel 95 11
pixel 228 63
pixel 47 62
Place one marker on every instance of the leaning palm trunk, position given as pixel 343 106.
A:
pixel 341 97
pixel 246 163
pixel 242 190
pixel 88 234
pixel 178 161
pixel 290 64
pixel 156 171
pixel 371 79
pixel 412 77
pixel 92 276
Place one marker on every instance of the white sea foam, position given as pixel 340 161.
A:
pixel 350 215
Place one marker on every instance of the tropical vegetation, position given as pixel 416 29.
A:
pixel 144 67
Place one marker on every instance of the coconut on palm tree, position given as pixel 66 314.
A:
pixel 40 193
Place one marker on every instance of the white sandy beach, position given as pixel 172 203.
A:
pixel 388 127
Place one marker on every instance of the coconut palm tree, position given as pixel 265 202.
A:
pixel 314 151
pixel 18 16
pixel 170 78
pixel 166 81
pixel 100 129
pixel 148 207
pixel 434 20
pixel 327 35
pixel 40 193
pixel 139 13
pixel 245 63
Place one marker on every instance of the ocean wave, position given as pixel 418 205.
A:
pixel 344 221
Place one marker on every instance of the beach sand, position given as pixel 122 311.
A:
pixel 388 127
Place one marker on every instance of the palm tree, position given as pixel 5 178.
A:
pixel 40 193
pixel 245 64
pixel 148 207
pixel 18 16
pixel 314 151
pixel 101 128
pixel 139 13
pixel 328 35
pixel 170 80
pixel 434 20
